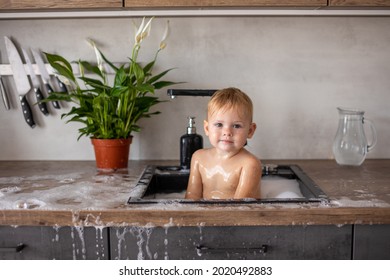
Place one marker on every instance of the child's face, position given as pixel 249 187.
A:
pixel 228 130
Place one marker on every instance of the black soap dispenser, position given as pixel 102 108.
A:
pixel 189 143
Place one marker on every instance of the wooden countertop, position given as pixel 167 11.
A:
pixel 64 193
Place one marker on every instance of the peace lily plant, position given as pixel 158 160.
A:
pixel 111 110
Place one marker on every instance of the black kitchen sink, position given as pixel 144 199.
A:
pixel 167 184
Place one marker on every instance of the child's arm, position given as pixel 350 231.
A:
pixel 249 184
pixel 195 186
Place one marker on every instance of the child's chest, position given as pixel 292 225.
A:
pixel 221 175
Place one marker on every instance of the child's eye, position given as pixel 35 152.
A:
pixel 218 124
pixel 237 126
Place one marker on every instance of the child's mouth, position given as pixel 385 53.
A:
pixel 225 141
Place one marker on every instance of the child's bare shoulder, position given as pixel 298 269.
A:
pixel 251 160
pixel 201 154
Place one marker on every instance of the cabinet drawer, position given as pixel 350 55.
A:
pixel 372 242
pixel 33 243
pixel 273 242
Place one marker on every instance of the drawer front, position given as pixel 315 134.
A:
pixel 372 242
pixel 273 242
pixel 45 243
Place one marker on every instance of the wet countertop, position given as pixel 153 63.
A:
pixel 66 193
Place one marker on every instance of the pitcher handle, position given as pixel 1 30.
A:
pixel 373 134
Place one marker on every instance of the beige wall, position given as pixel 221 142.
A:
pixel 297 70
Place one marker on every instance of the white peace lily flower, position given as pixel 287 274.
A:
pixel 163 43
pixel 137 37
pixel 98 55
pixel 143 30
pixel 147 29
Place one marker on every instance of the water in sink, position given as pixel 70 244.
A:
pixel 271 187
pixel 279 183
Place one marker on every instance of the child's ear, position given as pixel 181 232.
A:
pixel 252 129
pixel 206 127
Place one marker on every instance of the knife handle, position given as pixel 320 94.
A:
pixel 27 113
pixel 42 106
pixel 61 85
pixel 49 89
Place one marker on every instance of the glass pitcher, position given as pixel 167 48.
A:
pixel 350 145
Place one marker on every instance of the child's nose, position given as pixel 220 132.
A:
pixel 227 131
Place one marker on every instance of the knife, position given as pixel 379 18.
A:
pixel 45 76
pixel 21 82
pixel 61 85
pixel 4 94
pixel 35 85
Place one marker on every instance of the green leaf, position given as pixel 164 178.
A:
pixel 57 96
pixel 120 77
pixel 145 88
pixel 91 68
pixel 138 72
pixel 149 67
pixel 61 65
pixel 159 76
pixel 96 84
pixel 109 62
pixel 162 84
pixel 57 59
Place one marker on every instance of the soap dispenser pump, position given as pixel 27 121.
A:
pixel 189 143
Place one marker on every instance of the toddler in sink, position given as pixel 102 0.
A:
pixel 227 170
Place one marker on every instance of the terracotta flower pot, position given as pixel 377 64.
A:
pixel 111 153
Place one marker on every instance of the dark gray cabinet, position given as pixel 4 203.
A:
pixel 251 242
pixel 42 243
pixel 371 242
pixel 254 242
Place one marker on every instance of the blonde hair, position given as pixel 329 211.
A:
pixel 230 98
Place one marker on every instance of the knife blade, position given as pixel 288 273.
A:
pixel 21 82
pixel 45 76
pixel 35 84
pixel 4 94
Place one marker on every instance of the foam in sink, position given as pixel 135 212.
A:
pixel 271 187
pixel 279 187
